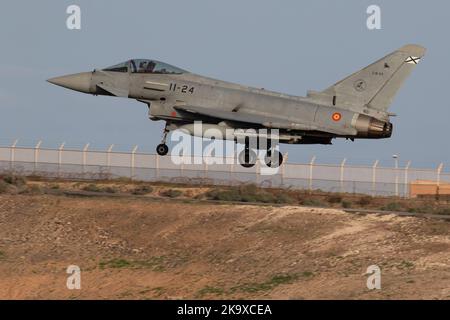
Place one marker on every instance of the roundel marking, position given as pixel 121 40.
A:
pixel 360 85
pixel 336 116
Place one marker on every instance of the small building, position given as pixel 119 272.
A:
pixel 423 188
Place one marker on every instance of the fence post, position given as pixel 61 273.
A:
pixel 183 159
pixel 283 168
pixel 108 158
pixel 36 155
pixel 205 168
pixel 405 187
pixel 232 170
pixel 85 149
pixel 60 150
pixel 157 166
pixel 311 166
pixel 374 177
pixel 396 175
pixel 438 179
pixel 133 156
pixel 257 171
pixel 342 175
pixel 12 155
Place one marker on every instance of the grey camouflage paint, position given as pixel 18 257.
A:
pixel 355 107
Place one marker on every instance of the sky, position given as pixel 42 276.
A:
pixel 285 46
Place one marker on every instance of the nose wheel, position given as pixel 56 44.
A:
pixel 162 149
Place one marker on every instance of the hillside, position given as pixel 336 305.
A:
pixel 145 248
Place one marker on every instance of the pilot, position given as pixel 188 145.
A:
pixel 150 67
pixel 143 66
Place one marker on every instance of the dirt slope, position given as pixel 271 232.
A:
pixel 145 249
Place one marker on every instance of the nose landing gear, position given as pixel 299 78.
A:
pixel 162 149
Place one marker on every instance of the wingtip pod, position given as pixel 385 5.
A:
pixel 414 50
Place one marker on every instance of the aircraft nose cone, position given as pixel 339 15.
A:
pixel 79 82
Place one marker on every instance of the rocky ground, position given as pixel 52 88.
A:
pixel 138 248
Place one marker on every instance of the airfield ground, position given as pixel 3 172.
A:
pixel 161 248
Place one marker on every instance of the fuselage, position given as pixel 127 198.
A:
pixel 299 119
pixel 164 93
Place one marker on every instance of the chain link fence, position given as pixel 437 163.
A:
pixel 102 165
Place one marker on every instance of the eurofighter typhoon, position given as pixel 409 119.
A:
pixel 353 108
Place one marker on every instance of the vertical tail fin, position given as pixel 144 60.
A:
pixel 375 86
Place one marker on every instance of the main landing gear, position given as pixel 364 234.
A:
pixel 162 149
pixel 247 158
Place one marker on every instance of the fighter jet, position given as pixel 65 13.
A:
pixel 353 108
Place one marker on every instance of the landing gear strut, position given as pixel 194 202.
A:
pixel 162 149
pixel 247 158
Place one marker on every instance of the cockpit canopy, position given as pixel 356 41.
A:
pixel 145 66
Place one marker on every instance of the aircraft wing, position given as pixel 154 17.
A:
pixel 261 119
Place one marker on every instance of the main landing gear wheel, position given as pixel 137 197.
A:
pixel 273 159
pixel 247 158
pixel 162 149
